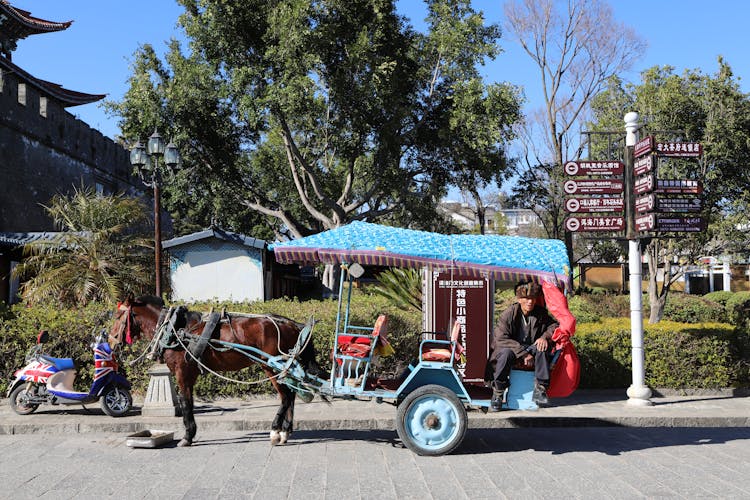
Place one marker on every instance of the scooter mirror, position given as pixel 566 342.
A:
pixel 43 337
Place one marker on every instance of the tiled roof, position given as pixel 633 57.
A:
pixel 13 240
pixel 217 233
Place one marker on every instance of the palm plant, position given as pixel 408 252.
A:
pixel 403 287
pixel 98 256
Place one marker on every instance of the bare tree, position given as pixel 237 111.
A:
pixel 577 46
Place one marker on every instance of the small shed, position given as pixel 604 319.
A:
pixel 217 265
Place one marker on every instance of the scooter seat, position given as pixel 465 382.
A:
pixel 59 363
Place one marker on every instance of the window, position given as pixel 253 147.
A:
pixel 99 189
pixel 43 106
pixel 1 81
pixel 22 93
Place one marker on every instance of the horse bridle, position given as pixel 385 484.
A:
pixel 129 325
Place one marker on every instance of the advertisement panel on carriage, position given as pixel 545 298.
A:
pixel 468 300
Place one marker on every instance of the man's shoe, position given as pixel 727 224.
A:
pixel 496 403
pixel 540 396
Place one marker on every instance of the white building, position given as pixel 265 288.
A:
pixel 217 265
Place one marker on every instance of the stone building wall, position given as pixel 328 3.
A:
pixel 41 156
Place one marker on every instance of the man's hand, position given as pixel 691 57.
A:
pixel 528 360
pixel 541 344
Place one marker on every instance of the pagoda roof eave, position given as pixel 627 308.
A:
pixel 25 24
pixel 65 96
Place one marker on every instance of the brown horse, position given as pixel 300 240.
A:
pixel 143 316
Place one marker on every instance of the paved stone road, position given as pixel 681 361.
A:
pixel 611 462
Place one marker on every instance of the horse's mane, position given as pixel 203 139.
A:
pixel 148 300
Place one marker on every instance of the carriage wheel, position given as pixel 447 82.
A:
pixel 18 400
pixel 431 421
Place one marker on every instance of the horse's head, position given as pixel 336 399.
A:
pixel 135 317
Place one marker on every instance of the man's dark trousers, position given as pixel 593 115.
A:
pixel 506 357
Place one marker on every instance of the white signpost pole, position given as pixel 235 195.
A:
pixel 638 392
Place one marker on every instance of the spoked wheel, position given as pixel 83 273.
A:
pixel 431 421
pixel 116 401
pixel 19 400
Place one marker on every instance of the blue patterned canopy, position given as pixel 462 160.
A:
pixel 506 258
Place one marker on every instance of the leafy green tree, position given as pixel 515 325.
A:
pixel 296 116
pixel 712 110
pixel 97 257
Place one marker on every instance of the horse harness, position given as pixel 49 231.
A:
pixel 173 332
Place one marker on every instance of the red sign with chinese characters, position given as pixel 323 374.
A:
pixel 645 222
pixel 575 205
pixel 643 146
pixel 644 184
pixel 645 203
pixel 587 186
pixel 603 223
pixel 644 165
pixel 594 168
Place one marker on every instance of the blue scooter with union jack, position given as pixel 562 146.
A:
pixel 49 380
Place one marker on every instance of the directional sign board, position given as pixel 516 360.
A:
pixel 682 204
pixel 644 165
pixel 608 223
pixel 594 168
pixel 680 224
pixel 645 203
pixel 679 149
pixel 645 222
pixel 679 186
pixel 587 186
pixel 643 146
pixel 594 204
pixel 644 184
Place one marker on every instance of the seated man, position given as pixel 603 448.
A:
pixel 524 331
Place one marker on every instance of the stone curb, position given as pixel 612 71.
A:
pixel 475 422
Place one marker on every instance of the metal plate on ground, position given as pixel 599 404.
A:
pixel 149 439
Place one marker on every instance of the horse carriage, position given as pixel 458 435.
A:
pixel 431 397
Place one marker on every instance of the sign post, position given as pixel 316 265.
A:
pixel 638 392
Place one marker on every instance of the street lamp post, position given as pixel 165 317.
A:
pixel 146 162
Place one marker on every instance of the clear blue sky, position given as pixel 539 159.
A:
pixel 94 54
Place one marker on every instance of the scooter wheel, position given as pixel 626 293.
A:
pixel 116 401
pixel 18 398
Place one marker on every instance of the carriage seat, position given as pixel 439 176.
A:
pixel 361 346
pixel 442 350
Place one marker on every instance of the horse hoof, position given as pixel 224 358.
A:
pixel 275 438
pixel 283 435
pixel 184 442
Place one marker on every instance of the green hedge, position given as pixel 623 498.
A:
pixel 677 355
pixel 71 334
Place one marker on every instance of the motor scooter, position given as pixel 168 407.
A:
pixel 49 380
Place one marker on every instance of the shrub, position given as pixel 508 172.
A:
pixel 71 332
pixel 738 309
pixel 685 308
pixel 677 355
pixel 720 297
